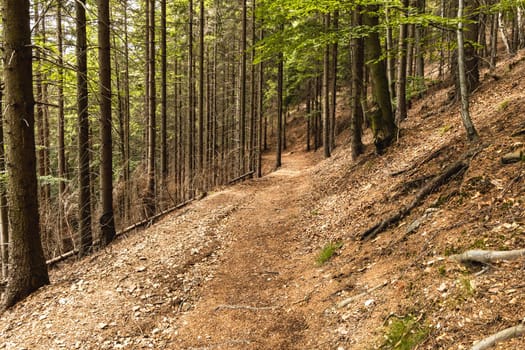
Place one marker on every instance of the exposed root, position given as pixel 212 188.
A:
pixel 487 256
pixel 509 333
pixel 439 180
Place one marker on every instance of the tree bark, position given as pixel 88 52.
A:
pixel 357 87
pixel 4 220
pixel 382 120
pixel 27 266
pixel 401 110
pixel 280 73
pixel 84 201
pixel 326 92
pixel 150 196
pixel 472 134
pixel 107 221
pixel 163 98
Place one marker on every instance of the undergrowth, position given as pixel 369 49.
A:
pixel 404 333
pixel 327 252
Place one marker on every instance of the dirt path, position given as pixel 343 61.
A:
pixel 224 274
pixel 248 303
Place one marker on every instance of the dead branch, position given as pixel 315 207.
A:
pixel 241 178
pixel 487 256
pixel 244 307
pixel 513 157
pixel 509 333
pixel 438 180
pixel 355 297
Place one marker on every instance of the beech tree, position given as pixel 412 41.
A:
pixel 27 266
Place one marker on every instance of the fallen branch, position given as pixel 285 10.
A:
pixel 513 157
pixel 147 222
pixel 244 307
pixel 355 297
pixel 509 333
pixel 240 178
pixel 487 256
pixel 439 180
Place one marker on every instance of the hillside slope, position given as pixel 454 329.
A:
pixel 237 270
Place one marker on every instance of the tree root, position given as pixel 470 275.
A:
pixel 487 256
pixel 509 333
pixel 439 180
pixel 244 307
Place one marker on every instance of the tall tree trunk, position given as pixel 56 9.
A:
pixel 27 265
pixel 242 116
pixel 163 98
pixel 463 82
pixel 66 243
pixel 260 111
pixel 333 111
pixel 401 110
pixel 127 108
pixel 4 220
pixel 326 92
pixel 191 112
pixel 279 136
pixel 253 121
pixel 358 53
pixel 152 123
pixel 382 119
pixel 200 170
pixel 107 220
pixel 84 200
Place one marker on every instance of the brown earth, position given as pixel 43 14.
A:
pixel 237 270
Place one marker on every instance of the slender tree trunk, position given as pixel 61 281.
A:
pixel 260 111
pixel 326 92
pixel 27 265
pixel 152 123
pixel 163 98
pixel 127 109
pixel 279 137
pixel 107 220
pixel 200 170
pixel 335 49
pixel 493 41
pixel 84 201
pixel 390 61
pixel 242 116
pixel 358 52
pixel 308 116
pixel 191 112
pixel 401 110
pixel 66 243
pixel 465 114
pixel 253 121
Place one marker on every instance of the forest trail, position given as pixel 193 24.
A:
pixel 222 273
pixel 249 303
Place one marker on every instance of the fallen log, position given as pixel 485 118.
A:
pixel 507 334
pixel 438 180
pixel 487 256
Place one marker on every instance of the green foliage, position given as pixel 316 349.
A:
pixel 327 252
pixel 404 334
pixel 51 180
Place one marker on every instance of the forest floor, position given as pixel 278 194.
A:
pixel 238 269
